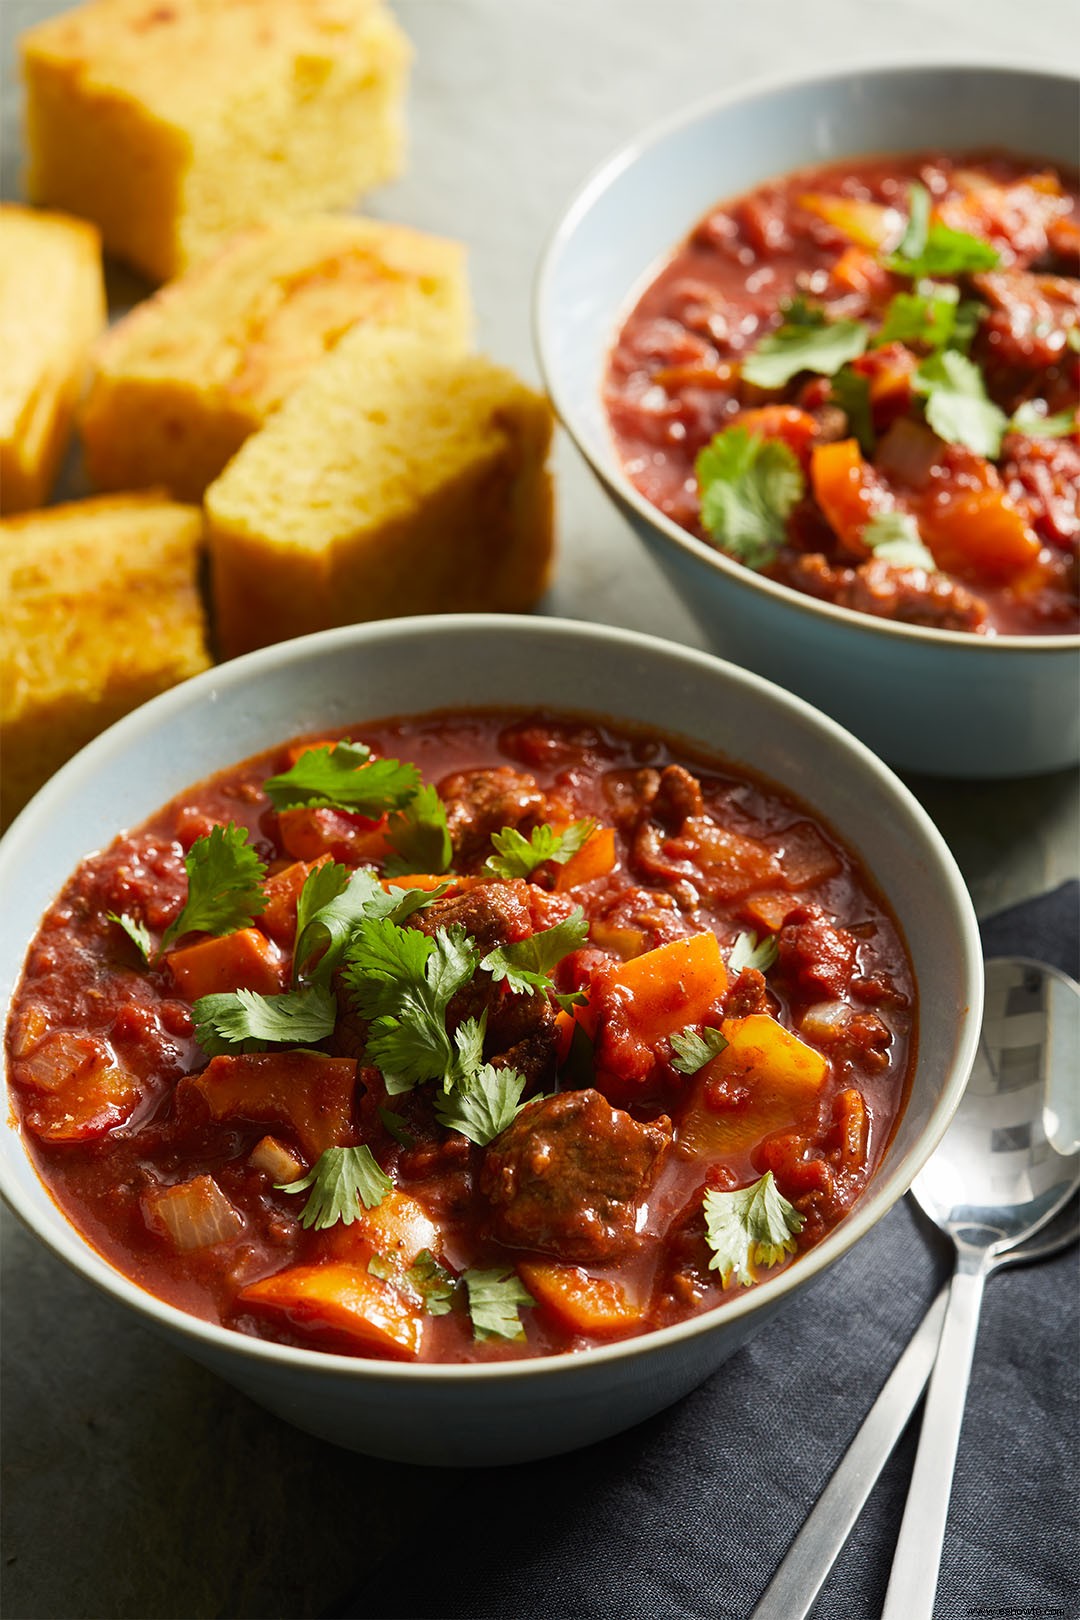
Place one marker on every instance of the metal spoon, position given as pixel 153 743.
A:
pixel 1023 1081
pixel 805 1567
pixel 995 1179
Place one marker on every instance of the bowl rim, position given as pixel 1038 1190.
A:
pixel 609 471
pixel 49 1223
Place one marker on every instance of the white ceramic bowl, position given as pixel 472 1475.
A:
pixel 928 700
pixel 516 1410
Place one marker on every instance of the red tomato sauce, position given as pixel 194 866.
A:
pixel 1001 528
pixel 110 1086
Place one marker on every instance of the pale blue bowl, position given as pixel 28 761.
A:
pixel 927 700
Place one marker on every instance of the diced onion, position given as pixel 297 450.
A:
pixel 275 1160
pixel 193 1214
pixel 59 1058
pixel 825 1020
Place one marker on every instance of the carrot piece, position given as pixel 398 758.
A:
pixel 282 892
pixel 428 881
pixel 308 831
pixel 849 1112
pixel 767 911
pixel 797 428
pixel 782 1075
pixel 595 858
pixel 307 1090
pixel 870 225
pixel 245 960
pixel 345 1299
pixel 637 1004
pixel 397 1229
pixel 979 534
pixel 847 490
pixel 623 942
pixel 859 271
pixel 578 1302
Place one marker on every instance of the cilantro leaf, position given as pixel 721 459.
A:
pixel 419 836
pixel 894 536
pixel 1033 419
pixel 494 1298
pixel 333 902
pixel 246 1020
pixel 851 391
pixel 517 856
pixel 925 317
pixel 225 878
pixel 799 346
pixel 136 931
pixel 931 249
pixel 753 1227
pixel 396 1127
pixel 526 964
pixel 469 1040
pixel 343 776
pixel 482 1104
pixel 403 981
pixel 957 407
pixel 694 1048
pixel 749 486
pixel 749 952
pixel 341 1179
pixel 435 1285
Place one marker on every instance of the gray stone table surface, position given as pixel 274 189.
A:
pixel 135 1483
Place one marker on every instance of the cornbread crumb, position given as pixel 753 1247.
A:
pixel 395 480
pixel 52 307
pixel 171 123
pixel 100 611
pixel 181 381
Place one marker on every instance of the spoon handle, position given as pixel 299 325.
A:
pixel 801 1575
pixel 913 1582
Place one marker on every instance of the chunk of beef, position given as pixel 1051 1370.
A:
pixel 1029 317
pixel 678 797
pixel 479 803
pixel 909 595
pixel 492 913
pixel 569 1175
pixel 814 954
pixel 1042 477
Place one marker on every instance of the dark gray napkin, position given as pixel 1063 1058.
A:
pixel 689 1514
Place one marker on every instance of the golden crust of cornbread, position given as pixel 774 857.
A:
pixel 395 480
pixel 101 610
pixel 52 307
pixel 181 381
pixel 171 123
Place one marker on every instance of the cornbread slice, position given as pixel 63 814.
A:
pixel 52 307
pixel 173 122
pixel 99 610
pixel 183 380
pixel 395 480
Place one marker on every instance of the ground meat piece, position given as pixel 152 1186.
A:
pixel 479 803
pixel 910 595
pixel 569 1175
pixel 1029 317
pixel 747 994
pixel 678 796
pixel 814 954
pixel 1042 477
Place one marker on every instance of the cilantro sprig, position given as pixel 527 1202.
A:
pixel 419 836
pixel 957 405
pixel 895 537
pixel 495 1300
pixel 403 981
pixel 851 391
pixel 333 902
pixel 340 1181
pixel 136 931
pixel 804 342
pixel 929 248
pixel 752 1228
pixel 225 879
pixel 343 776
pixel 749 486
pixel 482 1104
pixel 693 1048
pixel 526 964
pixel 517 856
pixel 750 952
pixel 1033 419
pixel 245 1021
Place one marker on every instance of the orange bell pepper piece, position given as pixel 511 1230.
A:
pixel 846 489
pixel 979 534
pixel 594 859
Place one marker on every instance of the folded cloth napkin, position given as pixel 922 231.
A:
pixel 688 1514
